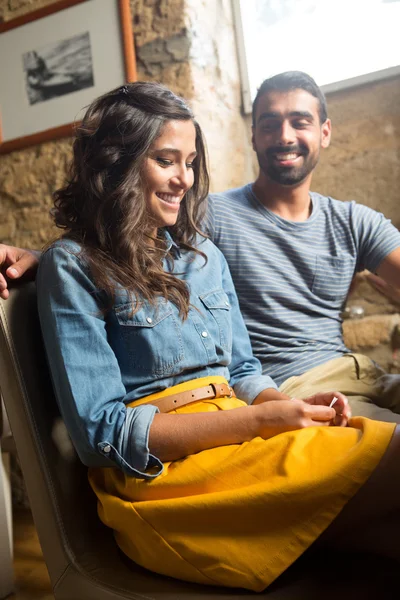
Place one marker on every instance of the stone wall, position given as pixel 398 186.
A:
pixel 216 92
pixel 185 44
pixel 363 161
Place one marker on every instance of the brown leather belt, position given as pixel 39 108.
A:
pixel 208 392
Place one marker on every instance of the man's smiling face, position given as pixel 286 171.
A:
pixel 288 135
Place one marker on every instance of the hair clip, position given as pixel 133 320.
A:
pixel 124 90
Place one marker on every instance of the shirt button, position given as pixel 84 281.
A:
pixel 227 303
pixel 107 449
pixel 149 319
pixel 204 334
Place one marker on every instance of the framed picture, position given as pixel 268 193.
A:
pixel 55 61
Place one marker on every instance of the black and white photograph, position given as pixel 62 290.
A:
pixel 59 58
pixel 59 68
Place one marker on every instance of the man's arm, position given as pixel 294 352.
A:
pixel 385 288
pixel 14 264
pixel 389 269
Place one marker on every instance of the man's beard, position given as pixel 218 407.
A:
pixel 287 175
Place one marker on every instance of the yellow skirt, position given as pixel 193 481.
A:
pixel 239 515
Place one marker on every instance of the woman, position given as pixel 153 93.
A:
pixel 147 349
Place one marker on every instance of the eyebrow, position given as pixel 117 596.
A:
pixel 305 114
pixel 173 151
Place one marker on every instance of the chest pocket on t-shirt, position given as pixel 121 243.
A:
pixel 333 275
pixel 153 337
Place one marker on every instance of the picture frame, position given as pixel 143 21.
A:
pixel 58 59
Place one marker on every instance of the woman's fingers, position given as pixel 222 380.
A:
pixel 313 414
pixel 320 414
pixel 337 401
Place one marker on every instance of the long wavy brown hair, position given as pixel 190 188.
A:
pixel 103 205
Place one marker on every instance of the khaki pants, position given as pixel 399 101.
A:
pixel 370 391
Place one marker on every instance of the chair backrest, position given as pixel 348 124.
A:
pixel 81 555
pixel 56 485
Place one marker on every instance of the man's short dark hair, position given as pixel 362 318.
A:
pixel 287 82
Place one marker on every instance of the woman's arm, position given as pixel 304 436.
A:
pixel 174 436
pixel 85 371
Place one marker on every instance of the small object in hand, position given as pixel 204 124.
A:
pixel 333 401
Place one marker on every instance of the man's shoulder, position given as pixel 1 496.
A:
pixel 333 205
pixel 328 200
pixel 234 195
pixel 349 209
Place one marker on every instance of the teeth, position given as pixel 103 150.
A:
pixel 168 198
pixel 286 156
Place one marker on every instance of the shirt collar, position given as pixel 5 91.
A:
pixel 170 243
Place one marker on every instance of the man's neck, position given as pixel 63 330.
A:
pixel 289 202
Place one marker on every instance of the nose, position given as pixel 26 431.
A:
pixel 286 134
pixel 183 178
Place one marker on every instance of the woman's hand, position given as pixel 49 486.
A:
pixel 340 416
pixel 340 406
pixel 278 416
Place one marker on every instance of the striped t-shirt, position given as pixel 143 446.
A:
pixel 292 278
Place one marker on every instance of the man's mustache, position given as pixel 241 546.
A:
pixel 298 149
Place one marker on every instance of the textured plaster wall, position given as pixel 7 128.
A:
pixel 363 161
pixel 186 44
pixel 216 96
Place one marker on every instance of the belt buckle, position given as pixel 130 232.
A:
pixel 217 393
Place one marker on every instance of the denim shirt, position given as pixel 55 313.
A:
pixel 101 360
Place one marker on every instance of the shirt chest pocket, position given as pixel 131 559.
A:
pixel 218 317
pixel 333 276
pixel 153 338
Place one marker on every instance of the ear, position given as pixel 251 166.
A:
pixel 252 139
pixel 326 131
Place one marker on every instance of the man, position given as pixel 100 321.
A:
pixel 293 253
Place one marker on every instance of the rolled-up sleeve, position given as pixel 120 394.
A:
pixel 85 371
pixel 245 369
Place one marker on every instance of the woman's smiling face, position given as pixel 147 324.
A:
pixel 168 171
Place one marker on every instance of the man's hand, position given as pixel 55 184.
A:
pixel 15 263
pixel 382 286
pixel 340 405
